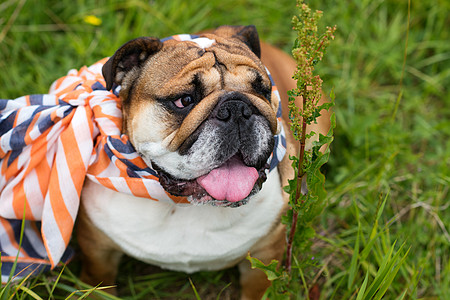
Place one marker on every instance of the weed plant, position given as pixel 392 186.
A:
pixel 388 175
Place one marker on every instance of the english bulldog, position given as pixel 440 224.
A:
pixel 202 114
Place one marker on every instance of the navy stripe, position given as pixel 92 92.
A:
pixel 18 135
pixel 62 102
pixel 279 110
pixel 120 146
pixel 68 255
pixel 97 86
pixel 271 79
pixel 36 99
pixel 45 123
pixel 131 168
pixel 7 123
pixel 283 140
pixel 131 173
pixel 26 244
pixel 3 103
pixel 274 161
pixel 13 156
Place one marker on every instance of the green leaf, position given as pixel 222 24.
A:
pixel 270 269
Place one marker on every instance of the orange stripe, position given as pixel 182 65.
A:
pixel 138 161
pixel 137 187
pixel 62 216
pixel 11 236
pixel 68 88
pixel 73 94
pixel 101 164
pixel 177 199
pixel 11 170
pixel 25 260
pixel 19 200
pixel 98 113
pixel 105 181
pixel 73 158
pixel 2 154
pixel 16 117
pixel 38 161
pixel 59 81
pixel 122 168
pixel 90 118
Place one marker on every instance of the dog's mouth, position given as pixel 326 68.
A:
pixel 231 184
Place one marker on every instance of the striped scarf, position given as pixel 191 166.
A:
pixel 49 144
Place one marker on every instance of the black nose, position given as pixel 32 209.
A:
pixel 233 110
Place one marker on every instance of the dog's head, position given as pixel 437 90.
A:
pixel 199 112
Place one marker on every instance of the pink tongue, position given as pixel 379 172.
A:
pixel 233 181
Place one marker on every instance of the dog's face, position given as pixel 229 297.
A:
pixel 199 112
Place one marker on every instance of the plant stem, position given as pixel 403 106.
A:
pixel 298 191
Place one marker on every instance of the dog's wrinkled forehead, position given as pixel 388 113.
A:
pixel 211 62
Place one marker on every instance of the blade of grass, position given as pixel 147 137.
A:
pixel 363 287
pixel 88 292
pixel 380 209
pixel 56 282
pixel 385 271
pixel 391 275
pixel 402 296
pixel 22 282
pixel 221 291
pixel 197 296
pixel 354 261
pixel 30 292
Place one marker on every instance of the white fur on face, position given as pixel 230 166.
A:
pixel 204 42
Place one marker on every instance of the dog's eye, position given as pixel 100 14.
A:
pixel 184 101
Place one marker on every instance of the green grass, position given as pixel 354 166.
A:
pixel 388 177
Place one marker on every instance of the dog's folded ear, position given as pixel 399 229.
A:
pixel 246 34
pixel 129 58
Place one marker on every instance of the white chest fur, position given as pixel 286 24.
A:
pixel 183 237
